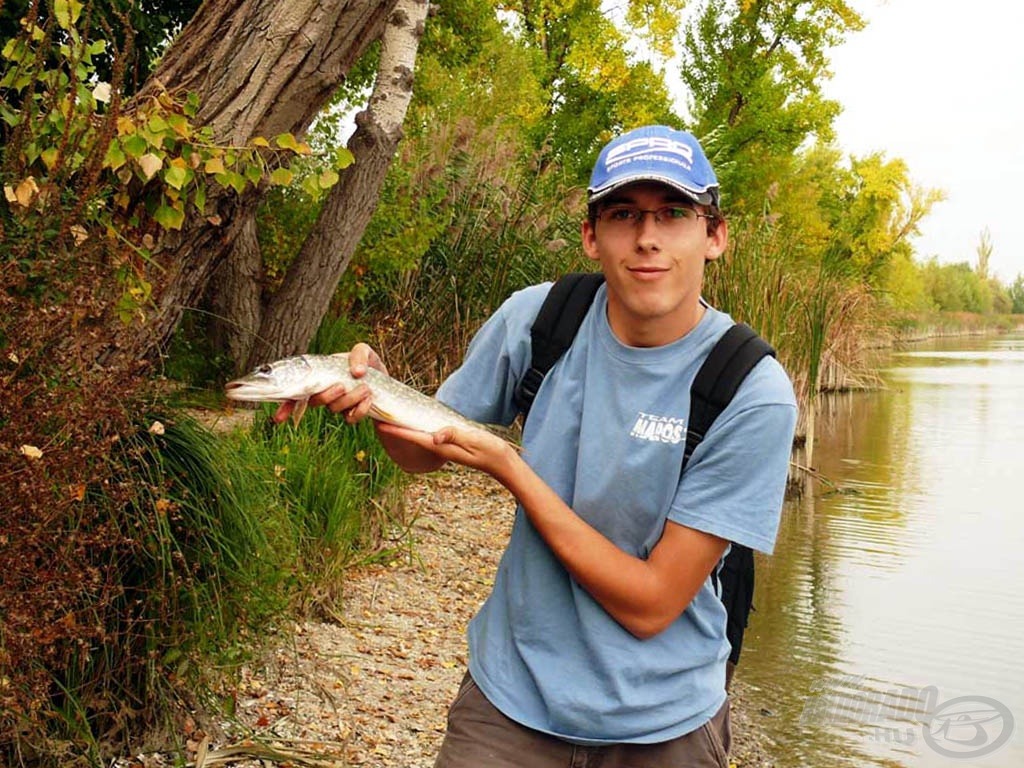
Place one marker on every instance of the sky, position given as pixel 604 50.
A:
pixel 938 84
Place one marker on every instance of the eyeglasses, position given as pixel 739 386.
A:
pixel 668 217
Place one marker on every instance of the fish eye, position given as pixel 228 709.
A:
pixel 265 369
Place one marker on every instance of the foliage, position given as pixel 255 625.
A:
pixel 754 73
pixel 140 29
pixel 593 83
pixel 815 313
pixel 508 227
pixel 957 287
pixel 1016 295
pixel 78 163
pixel 137 557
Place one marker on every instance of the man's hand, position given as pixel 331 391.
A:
pixel 473 448
pixel 355 404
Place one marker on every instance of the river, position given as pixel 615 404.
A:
pixel 890 622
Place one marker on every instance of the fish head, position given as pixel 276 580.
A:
pixel 293 378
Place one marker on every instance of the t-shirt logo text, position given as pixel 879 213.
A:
pixel 659 429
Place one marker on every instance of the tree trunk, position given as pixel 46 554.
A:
pixel 292 316
pixel 260 68
pixel 235 294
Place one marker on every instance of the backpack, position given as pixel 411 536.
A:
pixel 731 359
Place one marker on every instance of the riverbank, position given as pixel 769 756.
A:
pixel 373 686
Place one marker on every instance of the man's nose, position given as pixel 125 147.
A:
pixel 647 230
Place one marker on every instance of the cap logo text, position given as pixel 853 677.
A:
pixel 672 151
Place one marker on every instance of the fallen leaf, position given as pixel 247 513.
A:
pixel 31 452
pixel 156 428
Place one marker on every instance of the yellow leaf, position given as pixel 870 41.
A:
pixel 150 164
pixel 215 165
pixel 49 157
pixel 259 141
pixel 30 452
pixel 281 177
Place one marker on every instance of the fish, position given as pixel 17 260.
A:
pixel 299 378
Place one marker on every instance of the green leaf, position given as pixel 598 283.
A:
pixel 286 141
pixel 311 186
pixel 135 146
pixel 231 179
pixel 343 158
pixel 199 199
pixel 15 50
pixel 253 173
pixel 157 124
pixel 9 116
pixel 168 217
pixel 176 176
pixel 191 108
pixel 281 177
pixel 67 12
pixel 115 157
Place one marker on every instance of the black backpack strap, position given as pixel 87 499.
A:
pixel 554 329
pixel 731 359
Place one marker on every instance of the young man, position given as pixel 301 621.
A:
pixel 603 641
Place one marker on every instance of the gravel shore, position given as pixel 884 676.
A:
pixel 372 689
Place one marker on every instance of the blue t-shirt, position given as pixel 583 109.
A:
pixel 607 432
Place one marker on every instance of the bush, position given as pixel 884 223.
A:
pixel 137 556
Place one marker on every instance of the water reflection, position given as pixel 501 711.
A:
pixel 898 591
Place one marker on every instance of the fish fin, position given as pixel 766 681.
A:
pixel 381 415
pixel 299 410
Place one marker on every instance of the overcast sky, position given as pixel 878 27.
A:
pixel 938 83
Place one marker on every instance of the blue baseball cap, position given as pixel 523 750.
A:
pixel 655 153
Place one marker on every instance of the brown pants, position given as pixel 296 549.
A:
pixel 479 736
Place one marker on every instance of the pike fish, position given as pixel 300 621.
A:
pixel 299 378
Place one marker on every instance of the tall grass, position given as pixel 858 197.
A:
pixel 814 312
pixel 183 552
pixel 340 493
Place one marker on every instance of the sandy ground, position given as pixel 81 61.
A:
pixel 372 688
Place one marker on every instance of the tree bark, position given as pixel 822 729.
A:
pixel 295 311
pixel 260 68
pixel 235 294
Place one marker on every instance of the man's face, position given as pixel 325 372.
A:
pixel 654 271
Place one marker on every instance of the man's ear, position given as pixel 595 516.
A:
pixel 718 241
pixel 589 237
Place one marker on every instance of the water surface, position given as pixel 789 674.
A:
pixel 890 629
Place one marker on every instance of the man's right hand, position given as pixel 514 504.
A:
pixel 354 404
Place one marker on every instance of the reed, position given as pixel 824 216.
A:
pixel 814 312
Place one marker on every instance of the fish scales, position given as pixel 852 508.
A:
pixel 299 378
